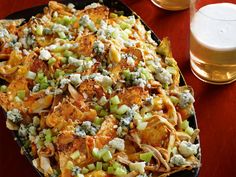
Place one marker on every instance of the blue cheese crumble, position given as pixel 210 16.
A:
pixel 177 160
pixel 163 76
pixel 98 47
pixel 187 149
pixel 75 79
pixel 44 54
pixel 86 128
pixel 186 99
pixel 117 143
pixel 14 115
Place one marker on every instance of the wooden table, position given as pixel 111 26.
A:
pixel 215 105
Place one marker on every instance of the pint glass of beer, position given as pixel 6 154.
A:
pixel 213 41
pixel 172 4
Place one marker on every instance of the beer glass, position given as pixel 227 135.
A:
pixel 213 41
pixel 172 4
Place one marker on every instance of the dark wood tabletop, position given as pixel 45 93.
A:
pixel 215 105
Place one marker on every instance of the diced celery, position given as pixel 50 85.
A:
pixel 67 20
pixel 92 27
pixel 107 156
pixel 69 165
pixel 103 113
pixel 122 109
pixel 147 116
pixel 96 153
pixel 68 53
pixel 21 94
pixel 39 30
pixel 174 100
pixel 171 70
pixel 44 85
pixel 61 34
pixel 137 116
pixel 97 107
pixel 84 170
pixel 3 88
pixel 91 167
pixel 124 36
pixel 141 125
pixel 113 15
pixel 48 136
pixel 31 75
pixel 113 108
pixel 110 170
pixel 75 155
pixel 124 25
pixel 127 74
pixel 64 60
pixel 146 156
pixel 98 121
pixel 59 73
pixel 79 175
pixel 120 172
pixel 184 124
pixel 115 100
pixel 58 49
pixel 40 76
pixel 102 101
pixel 189 130
pixel 36 121
pixel 51 61
pixel 116 165
pixel 17 99
pixel 99 166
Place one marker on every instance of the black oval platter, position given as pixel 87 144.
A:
pixel 113 4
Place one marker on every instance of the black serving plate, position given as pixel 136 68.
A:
pixel 119 6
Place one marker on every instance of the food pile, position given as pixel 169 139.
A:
pixel 90 93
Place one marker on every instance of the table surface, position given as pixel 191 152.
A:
pixel 215 105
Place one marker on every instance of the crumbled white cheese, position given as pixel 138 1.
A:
pixel 117 143
pixel 51 47
pixel 187 149
pixel 44 54
pixel 105 81
pixel 71 6
pixel 64 82
pixel 4 33
pixel 186 99
pixel 36 88
pixel 130 61
pixel 59 28
pixel 75 79
pixel 93 5
pixel 14 115
pixel 84 20
pixel 25 52
pixel 177 160
pixel 75 61
pixel 22 131
pixel 163 76
pixel 55 14
pixel 140 82
pixel 45 19
pixel 137 166
pixel 98 47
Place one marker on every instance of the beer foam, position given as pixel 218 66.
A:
pixel 214 26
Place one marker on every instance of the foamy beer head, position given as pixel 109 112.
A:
pixel 213 43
